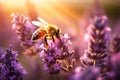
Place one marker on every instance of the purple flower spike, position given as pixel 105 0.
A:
pixel 57 52
pixel 24 30
pixel 10 68
pixel 21 25
pixel 96 54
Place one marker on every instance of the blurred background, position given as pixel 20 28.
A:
pixel 72 16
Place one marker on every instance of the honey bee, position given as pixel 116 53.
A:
pixel 45 31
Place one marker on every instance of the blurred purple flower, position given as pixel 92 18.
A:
pixel 58 50
pixel 10 68
pixel 90 73
pixel 116 44
pixel 22 26
pixel 115 67
pixel 24 30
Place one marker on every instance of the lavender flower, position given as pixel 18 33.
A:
pixel 57 54
pixel 21 25
pixel 114 59
pixel 116 44
pixel 24 30
pixel 96 54
pixel 10 68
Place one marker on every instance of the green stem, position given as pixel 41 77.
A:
pixel 58 77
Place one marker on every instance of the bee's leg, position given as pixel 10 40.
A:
pixel 53 39
pixel 57 34
pixel 45 39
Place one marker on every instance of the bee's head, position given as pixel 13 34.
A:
pixel 58 31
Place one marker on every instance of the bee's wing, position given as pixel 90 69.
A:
pixel 37 23
pixel 42 21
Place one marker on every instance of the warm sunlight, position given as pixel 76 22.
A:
pixel 59 40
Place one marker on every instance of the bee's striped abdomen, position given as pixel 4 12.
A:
pixel 38 34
